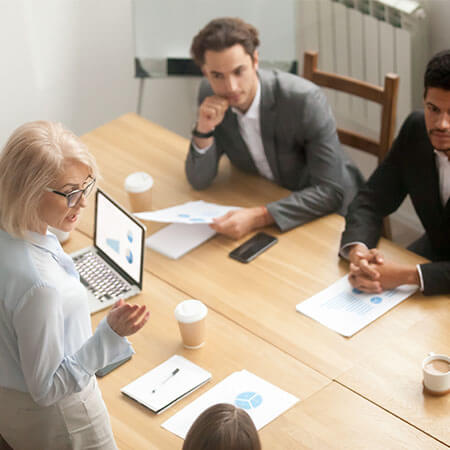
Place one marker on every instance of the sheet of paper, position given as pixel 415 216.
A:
pixel 179 238
pixel 168 388
pixel 347 310
pixel 261 400
pixel 190 212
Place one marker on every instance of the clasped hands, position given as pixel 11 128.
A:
pixel 370 272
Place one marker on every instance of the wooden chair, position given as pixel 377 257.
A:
pixel 386 96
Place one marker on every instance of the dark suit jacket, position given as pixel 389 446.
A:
pixel 301 146
pixel 409 169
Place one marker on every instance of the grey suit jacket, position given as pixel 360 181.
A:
pixel 301 145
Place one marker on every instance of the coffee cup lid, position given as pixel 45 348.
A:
pixel 138 182
pixel 190 311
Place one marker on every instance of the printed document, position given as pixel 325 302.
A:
pixel 347 310
pixel 261 400
pixel 190 212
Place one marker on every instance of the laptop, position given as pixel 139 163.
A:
pixel 113 267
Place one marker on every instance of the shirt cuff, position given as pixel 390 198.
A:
pixel 345 249
pixel 104 347
pixel 419 270
pixel 201 151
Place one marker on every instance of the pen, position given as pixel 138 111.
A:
pixel 167 379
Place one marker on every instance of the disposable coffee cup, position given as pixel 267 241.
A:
pixel 436 374
pixel 139 188
pixel 191 317
pixel 62 236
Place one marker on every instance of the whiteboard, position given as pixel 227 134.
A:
pixel 165 28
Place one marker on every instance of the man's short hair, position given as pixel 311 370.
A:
pixel 221 34
pixel 437 73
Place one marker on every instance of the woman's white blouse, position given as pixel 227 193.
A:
pixel 46 343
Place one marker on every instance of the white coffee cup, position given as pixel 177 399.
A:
pixel 62 236
pixel 139 187
pixel 191 317
pixel 436 374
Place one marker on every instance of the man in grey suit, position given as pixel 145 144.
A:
pixel 267 122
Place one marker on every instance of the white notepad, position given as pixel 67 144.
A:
pixel 347 310
pixel 179 238
pixel 169 384
pixel 260 399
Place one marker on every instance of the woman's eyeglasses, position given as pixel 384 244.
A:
pixel 74 197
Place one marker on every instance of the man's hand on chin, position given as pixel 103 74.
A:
pixel 238 223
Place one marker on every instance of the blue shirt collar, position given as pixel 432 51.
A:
pixel 49 243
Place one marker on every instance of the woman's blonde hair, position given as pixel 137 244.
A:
pixel 32 160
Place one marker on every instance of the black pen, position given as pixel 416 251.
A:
pixel 167 379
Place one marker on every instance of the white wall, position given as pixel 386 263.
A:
pixel 65 60
pixel 439 14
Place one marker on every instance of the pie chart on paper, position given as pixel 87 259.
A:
pixel 248 400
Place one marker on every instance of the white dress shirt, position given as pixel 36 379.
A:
pixel 46 343
pixel 443 166
pixel 250 129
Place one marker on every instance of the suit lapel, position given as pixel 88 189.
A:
pixel 267 121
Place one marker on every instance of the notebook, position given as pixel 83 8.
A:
pixel 113 267
pixel 178 239
pixel 167 383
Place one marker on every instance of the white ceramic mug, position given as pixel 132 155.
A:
pixel 436 375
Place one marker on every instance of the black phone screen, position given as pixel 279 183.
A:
pixel 253 247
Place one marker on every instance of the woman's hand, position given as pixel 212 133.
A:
pixel 126 319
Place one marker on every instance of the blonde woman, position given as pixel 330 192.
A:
pixel 49 398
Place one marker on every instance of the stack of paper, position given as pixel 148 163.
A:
pixel 347 310
pixel 167 383
pixel 261 400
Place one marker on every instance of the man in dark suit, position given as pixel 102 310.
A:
pixel 417 165
pixel 267 122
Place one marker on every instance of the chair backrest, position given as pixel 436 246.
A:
pixel 386 96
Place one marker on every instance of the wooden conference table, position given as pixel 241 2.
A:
pixel 380 366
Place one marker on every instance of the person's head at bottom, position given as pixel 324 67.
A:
pixel 222 427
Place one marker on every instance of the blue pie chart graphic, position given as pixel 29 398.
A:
pixel 130 236
pixel 248 400
pixel 376 300
pixel 129 256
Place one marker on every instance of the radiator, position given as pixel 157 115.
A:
pixel 366 39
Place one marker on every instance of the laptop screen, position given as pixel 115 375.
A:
pixel 119 236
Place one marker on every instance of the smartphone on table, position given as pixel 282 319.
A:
pixel 253 247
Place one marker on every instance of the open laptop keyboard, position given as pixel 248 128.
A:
pixel 98 278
